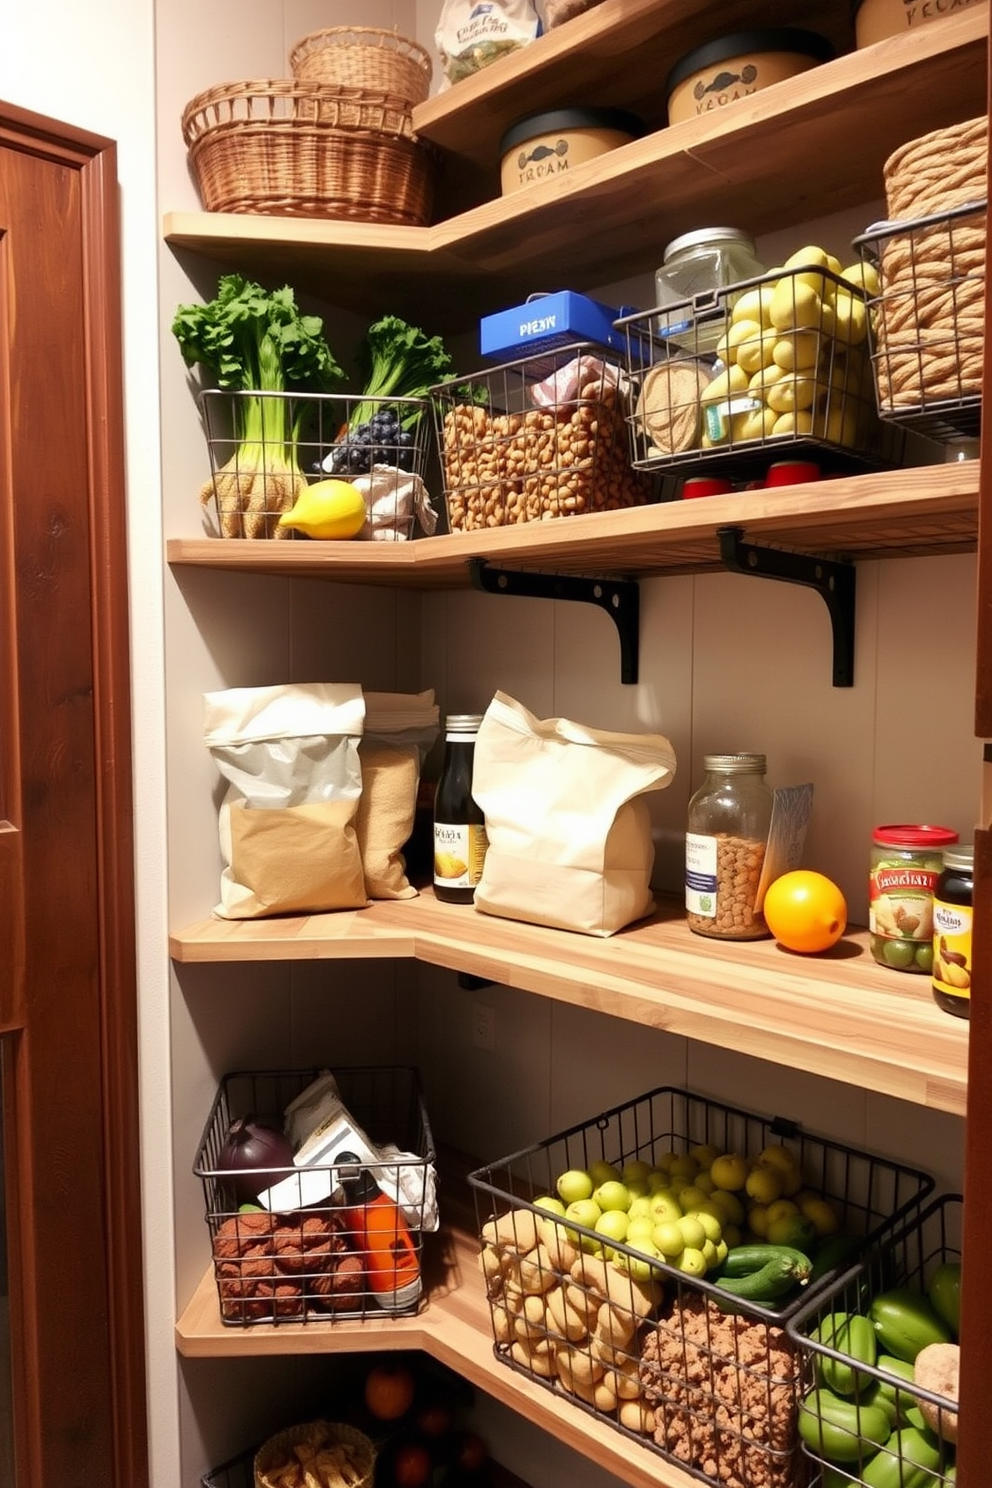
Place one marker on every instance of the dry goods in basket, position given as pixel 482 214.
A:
pixel 365 57
pixel 319 1454
pixel 520 444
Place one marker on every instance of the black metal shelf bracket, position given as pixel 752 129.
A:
pixel 833 580
pixel 620 598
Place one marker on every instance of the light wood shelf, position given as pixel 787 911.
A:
pixel 792 153
pixel 455 1329
pixel 926 510
pixel 839 1015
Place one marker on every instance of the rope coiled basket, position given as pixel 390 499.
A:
pixel 281 147
pixel 364 57
pixel 928 319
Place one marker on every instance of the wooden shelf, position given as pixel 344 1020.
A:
pixel 927 510
pixel 839 1015
pixel 455 1329
pixel 610 218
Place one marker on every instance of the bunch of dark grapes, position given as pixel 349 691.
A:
pixel 380 441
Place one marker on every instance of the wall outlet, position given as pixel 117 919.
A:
pixel 483 1026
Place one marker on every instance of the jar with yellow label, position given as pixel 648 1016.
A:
pixel 952 921
pixel 460 841
pixel 906 862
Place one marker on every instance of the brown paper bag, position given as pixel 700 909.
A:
pixel 569 830
pixel 300 860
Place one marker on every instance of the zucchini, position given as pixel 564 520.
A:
pixel 909 1461
pixel 850 1334
pixel 782 1271
pixel 888 1394
pixel 905 1323
pixel 835 1253
pixel 944 1294
pixel 842 1430
pixel 745 1260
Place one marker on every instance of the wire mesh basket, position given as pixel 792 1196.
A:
pixel 537 438
pixel 843 1391
pixel 318 1261
pixel 265 448
pixel 709 1381
pixel 927 319
pixel 733 379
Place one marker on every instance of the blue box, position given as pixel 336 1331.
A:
pixel 548 322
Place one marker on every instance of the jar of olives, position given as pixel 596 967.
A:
pixel 906 862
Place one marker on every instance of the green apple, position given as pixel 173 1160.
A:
pixel 712 1228
pixel 709 1254
pixel 665 1206
pixel 658 1180
pixel 692 1232
pixel 583 1212
pixel 635 1170
pixel 692 1262
pixel 601 1171
pixel 573 1185
pixel 640 1207
pixel 691 1197
pixel 612 1195
pixel 728 1206
pixel 704 1154
pixel 639 1264
pixel 683 1169
pixel 550 1203
pixel 668 1239
pixel 640 1231
pixel 637 1187
pixel 612 1224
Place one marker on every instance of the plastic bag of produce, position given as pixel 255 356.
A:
pixel 568 826
pixel 287 820
pixel 473 33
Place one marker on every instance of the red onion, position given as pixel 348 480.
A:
pixel 252 1143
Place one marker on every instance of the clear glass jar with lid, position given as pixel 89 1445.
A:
pixel 905 863
pixel 695 267
pixel 726 840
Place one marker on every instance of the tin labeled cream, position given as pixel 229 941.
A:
pixel 543 146
pixel 738 65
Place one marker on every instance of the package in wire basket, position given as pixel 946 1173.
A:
pixel 538 438
pixel 319 1188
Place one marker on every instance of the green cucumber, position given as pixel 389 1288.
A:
pixel 888 1394
pixel 835 1253
pixel 850 1334
pixel 944 1294
pixel 841 1430
pixel 909 1461
pixel 745 1260
pixel 905 1323
pixel 781 1272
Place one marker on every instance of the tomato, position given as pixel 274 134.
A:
pixel 805 911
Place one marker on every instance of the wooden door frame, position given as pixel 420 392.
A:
pixel 94 160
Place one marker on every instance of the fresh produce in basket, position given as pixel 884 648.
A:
pixel 399 361
pixel 256 341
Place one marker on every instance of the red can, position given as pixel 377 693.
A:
pixel 792 473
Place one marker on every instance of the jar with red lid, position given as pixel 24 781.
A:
pixel 906 862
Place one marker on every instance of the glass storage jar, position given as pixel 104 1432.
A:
pixel 729 817
pixel 460 841
pixel 905 864
pixel 952 924
pixel 694 268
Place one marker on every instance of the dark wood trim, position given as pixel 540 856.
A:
pixel 94 161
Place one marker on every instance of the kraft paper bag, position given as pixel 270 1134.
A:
pixel 569 829
pixel 400 728
pixel 287 821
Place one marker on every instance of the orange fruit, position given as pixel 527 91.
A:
pixel 805 911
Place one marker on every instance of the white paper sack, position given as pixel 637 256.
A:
pixel 565 384
pixel 412 1186
pixel 396 500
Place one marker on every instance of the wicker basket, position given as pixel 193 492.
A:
pixel 364 57
pixel 938 171
pixel 286 148
pixel 296 1445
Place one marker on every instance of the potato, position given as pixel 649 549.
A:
pixel 724 385
pixel 564 1319
pixel 533 1357
pixel 516 1230
pixel 851 317
pixel 578 1367
pixel 936 1369
pixel 754 305
pixel 795 304
pixel 741 330
pixel 798 351
pixel 792 393
pixel 758 424
pixel 637 1416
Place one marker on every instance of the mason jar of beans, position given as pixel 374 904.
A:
pixel 729 817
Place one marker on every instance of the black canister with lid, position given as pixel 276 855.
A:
pixel 952 924
pixel 459 825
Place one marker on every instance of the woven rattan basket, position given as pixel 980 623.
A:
pixel 282 147
pixel 354 1452
pixel 928 318
pixel 364 57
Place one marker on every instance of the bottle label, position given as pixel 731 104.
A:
pixel 700 875
pixel 459 853
pixel 952 948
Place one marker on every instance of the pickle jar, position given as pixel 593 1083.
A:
pixel 906 862
pixel 725 844
pixel 952 921
pixel 460 840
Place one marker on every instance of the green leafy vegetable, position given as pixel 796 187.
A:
pixel 256 341
pixel 398 360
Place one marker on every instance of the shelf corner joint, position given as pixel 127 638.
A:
pixel 619 598
pixel 833 579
